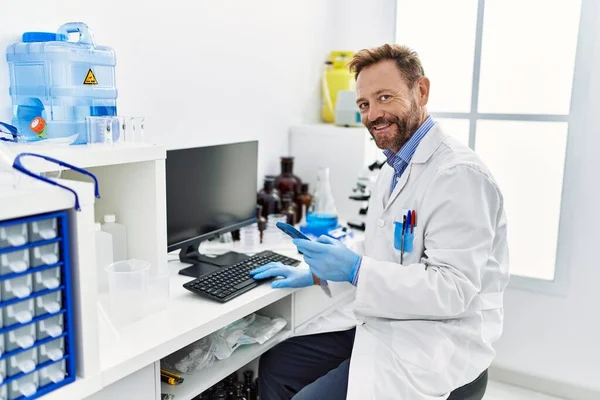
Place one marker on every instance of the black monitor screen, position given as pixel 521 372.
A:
pixel 210 191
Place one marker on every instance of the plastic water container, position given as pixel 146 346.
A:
pixel 119 236
pixel 104 256
pixel 58 79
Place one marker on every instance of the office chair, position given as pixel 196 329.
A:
pixel 471 391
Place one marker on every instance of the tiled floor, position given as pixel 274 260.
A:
pixel 501 391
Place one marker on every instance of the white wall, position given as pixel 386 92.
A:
pixel 201 72
pixel 359 24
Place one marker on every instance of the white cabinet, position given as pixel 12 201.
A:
pixel 345 151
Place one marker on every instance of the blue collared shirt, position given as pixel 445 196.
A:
pixel 399 161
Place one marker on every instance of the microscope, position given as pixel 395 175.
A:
pixel 361 194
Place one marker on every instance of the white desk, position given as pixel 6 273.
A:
pixel 189 317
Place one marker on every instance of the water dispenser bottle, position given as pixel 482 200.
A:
pixel 59 79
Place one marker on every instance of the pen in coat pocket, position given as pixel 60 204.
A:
pixel 402 241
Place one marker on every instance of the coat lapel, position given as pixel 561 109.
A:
pixel 429 144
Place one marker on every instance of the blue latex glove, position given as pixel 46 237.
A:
pixel 329 259
pixel 293 277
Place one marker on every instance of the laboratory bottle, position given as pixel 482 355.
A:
pixel 268 199
pixel 249 386
pixel 230 382
pixel 260 221
pixel 104 256
pixel 303 201
pixel 239 392
pixel 220 394
pixel 290 209
pixel 272 178
pixel 119 236
pixel 286 182
pixel 323 212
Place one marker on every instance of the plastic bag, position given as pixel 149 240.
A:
pixel 262 329
pixel 192 358
pixel 227 339
pixel 252 329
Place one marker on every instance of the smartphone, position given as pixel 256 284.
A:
pixel 291 231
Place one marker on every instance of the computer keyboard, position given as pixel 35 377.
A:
pixel 230 282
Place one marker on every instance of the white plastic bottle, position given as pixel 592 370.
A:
pixel 104 256
pixel 119 236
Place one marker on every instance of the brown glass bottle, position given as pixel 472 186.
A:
pixel 249 385
pixel 290 209
pixel 260 221
pixel 268 199
pixel 287 182
pixel 303 201
pixel 273 177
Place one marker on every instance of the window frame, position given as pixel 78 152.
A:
pixel 558 285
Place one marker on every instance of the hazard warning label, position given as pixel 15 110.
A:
pixel 90 78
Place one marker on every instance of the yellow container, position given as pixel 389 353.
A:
pixel 336 77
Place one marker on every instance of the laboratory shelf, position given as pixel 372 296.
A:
pixel 197 383
pixel 85 156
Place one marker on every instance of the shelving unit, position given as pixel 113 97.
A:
pixel 112 361
pixel 197 383
pixel 132 186
pixel 90 156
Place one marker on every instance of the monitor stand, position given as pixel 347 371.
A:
pixel 203 265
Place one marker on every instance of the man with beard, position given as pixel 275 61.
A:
pixel 429 275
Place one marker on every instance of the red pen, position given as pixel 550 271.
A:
pixel 413 221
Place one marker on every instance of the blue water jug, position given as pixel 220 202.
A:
pixel 58 79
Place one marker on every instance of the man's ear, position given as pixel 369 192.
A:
pixel 423 91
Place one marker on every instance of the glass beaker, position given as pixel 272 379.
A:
pixel 135 130
pixel 104 130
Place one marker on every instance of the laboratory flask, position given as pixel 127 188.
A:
pixel 322 213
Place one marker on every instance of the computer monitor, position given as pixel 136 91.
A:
pixel 210 191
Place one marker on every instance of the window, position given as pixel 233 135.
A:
pixel 501 77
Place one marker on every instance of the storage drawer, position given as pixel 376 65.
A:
pixel 51 351
pixel 13 235
pixel 44 255
pixel 51 327
pixel 23 362
pixel 20 338
pixel 46 279
pixel 15 261
pixel 43 229
pixel 18 313
pixel 54 373
pixel 48 304
pixel 17 288
pixel 26 386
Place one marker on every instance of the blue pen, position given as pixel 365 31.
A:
pixel 402 243
pixel 408 219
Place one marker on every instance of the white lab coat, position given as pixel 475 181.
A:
pixel 426 327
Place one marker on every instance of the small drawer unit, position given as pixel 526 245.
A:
pixel 37 343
